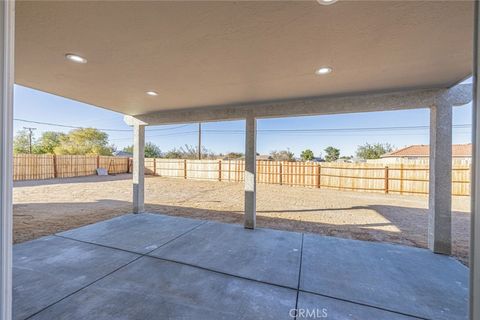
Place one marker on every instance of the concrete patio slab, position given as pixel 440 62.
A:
pixel 312 306
pixel 48 269
pixel 139 233
pixel 150 288
pixel 221 271
pixel 398 278
pixel 265 255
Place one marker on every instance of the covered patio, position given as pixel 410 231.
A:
pixel 182 62
pixel 178 268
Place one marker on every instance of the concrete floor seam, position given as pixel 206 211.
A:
pixel 299 276
pixel 130 251
pixel 84 287
pixel 112 272
pixel 297 289
pixel 365 305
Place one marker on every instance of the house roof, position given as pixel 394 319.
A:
pixel 422 150
pixel 264 157
pixel 121 153
pixel 205 53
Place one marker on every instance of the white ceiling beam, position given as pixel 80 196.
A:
pixel 131 121
pixel 400 100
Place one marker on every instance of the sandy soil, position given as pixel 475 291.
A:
pixel 46 207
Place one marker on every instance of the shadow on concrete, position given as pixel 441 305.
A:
pixel 401 225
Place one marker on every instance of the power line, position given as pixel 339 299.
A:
pixel 323 130
pixel 183 133
pixel 301 132
pixel 458 126
pixel 101 129
pixel 311 132
pixel 163 129
pixel 64 125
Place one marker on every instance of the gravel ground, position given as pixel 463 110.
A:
pixel 46 207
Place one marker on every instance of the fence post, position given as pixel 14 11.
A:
pixel 280 173
pixel 229 169
pixel 55 172
pixel 319 176
pixel 401 178
pixel 154 166
pixel 386 179
pixel 185 168
pixel 219 170
pixel 98 162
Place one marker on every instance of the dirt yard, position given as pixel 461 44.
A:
pixel 46 207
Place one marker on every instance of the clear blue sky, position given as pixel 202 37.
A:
pixel 38 106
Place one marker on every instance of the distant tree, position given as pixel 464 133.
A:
pixel 48 141
pixel 151 150
pixel 282 155
pixel 331 154
pixel 189 152
pixel 173 154
pixel 307 155
pixel 85 141
pixel 234 155
pixel 21 142
pixel 373 151
pixel 128 149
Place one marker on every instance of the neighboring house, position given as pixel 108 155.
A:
pixel 350 160
pixel 120 153
pixel 264 157
pixel 460 152
pixel 259 157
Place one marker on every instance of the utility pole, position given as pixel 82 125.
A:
pixel 30 134
pixel 199 141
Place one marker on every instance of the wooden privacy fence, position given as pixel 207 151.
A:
pixel 403 178
pixel 47 166
pixel 394 178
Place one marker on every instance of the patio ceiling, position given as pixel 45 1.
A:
pixel 196 54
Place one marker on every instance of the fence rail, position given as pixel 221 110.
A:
pixel 47 166
pixel 403 178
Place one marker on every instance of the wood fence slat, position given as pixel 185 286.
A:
pixel 400 178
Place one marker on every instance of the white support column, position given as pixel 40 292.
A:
pixel 440 186
pixel 138 168
pixel 475 190
pixel 6 158
pixel 250 172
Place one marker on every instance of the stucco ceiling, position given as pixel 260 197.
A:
pixel 198 54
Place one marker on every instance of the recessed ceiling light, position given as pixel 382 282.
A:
pixel 152 93
pixel 324 70
pixel 326 2
pixel 75 58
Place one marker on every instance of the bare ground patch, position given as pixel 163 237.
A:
pixel 46 207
